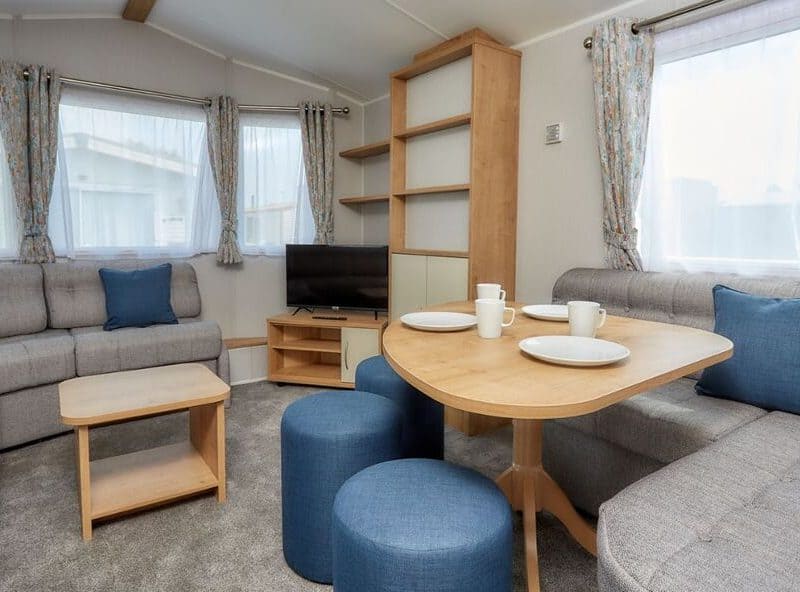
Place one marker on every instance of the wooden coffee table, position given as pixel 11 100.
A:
pixel 121 484
pixel 493 377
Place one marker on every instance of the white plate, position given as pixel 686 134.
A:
pixel 439 321
pixel 567 350
pixel 546 312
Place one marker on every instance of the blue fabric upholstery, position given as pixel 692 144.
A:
pixel 765 368
pixel 423 425
pixel 325 439
pixel 421 525
pixel 138 298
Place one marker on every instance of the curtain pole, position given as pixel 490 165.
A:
pixel 639 25
pixel 182 98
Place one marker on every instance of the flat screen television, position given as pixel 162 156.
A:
pixel 337 277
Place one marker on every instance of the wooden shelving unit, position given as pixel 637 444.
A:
pixel 427 159
pixel 432 253
pixel 321 352
pixel 435 126
pixel 362 199
pixel 367 150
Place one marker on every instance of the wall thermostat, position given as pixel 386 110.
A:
pixel 553 133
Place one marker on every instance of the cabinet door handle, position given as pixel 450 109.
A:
pixel 346 355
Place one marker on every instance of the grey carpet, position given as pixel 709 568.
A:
pixel 198 544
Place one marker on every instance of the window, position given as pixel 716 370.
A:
pixel 9 226
pixel 721 189
pixel 273 202
pixel 132 178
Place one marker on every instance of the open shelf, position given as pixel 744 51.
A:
pixel 362 199
pixel 120 484
pixel 367 150
pixel 435 126
pixel 431 253
pixel 314 345
pixel 434 189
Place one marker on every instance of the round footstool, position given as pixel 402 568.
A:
pixel 325 439
pixel 423 425
pixel 419 525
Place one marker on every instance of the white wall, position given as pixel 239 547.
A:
pixel 239 298
pixel 560 187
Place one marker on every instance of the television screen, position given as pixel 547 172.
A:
pixel 320 276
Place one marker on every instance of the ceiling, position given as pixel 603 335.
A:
pixel 352 44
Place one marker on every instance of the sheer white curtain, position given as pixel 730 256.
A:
pixel 273 203
pixel 133 179
pixel 9 222
pixel 721 190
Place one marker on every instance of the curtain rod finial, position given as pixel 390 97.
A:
pixel 587 43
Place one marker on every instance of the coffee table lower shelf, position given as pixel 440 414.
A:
pixel 138 480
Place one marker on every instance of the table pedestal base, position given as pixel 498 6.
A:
pixel 530 489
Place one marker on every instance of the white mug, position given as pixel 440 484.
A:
pixel 491 291
pixel 490 317
pixel 585 318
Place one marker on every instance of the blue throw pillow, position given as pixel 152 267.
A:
pixel 765 368
pixel 138 298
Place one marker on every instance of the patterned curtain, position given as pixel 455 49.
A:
pixel 316 124
pixel 222 118
pixel 29 130
pixel 623 77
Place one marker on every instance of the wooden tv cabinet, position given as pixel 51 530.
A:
pixel 321 352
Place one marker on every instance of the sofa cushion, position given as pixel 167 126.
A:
pixel 98 351
pixel 666 423
pixel 137 297
pixel 22 305
pixel 32 360
pixel 75 295
pixel 725 519
pixel 764 369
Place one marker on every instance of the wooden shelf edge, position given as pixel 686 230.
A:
pixel 329 346
pixel 435 126
pixel 433 189
pixel 313 374
pixel 239 342
pixel 367 150
pixel 431 253
pixel 362 199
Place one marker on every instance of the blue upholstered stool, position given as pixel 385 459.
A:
pixel 419 525
pixel 325 439
pixel 423 425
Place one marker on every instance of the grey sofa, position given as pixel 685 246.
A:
pixel 51 320
pixel 703 493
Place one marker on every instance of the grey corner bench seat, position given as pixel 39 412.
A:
pixel 724 519
pixel 51 319
pixel 595 456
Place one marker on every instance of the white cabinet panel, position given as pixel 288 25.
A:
pixel 438 222
pixel 446 279
pixel 357 345
pixel 409 279
pixel 442 158
pixel 426 100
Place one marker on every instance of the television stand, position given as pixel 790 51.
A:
pixel 328 317
pixel 305 349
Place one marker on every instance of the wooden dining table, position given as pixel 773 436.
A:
pixel 494 377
